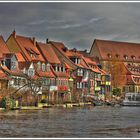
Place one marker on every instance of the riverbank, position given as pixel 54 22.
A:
pixel 41 106
pixel 44 105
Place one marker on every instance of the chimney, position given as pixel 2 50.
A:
pixel 74 50
pixel 34 41
pixel 47 41
pixel 14 34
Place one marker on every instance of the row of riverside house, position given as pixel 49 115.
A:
pixel 33 71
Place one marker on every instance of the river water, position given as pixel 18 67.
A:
pixel 87 122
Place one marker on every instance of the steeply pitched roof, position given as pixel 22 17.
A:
pixel 27 47
pixel 48 53
pixel 70 53
pixel 3 47
pixel 61 50
pixel 115 48
pixel 89 61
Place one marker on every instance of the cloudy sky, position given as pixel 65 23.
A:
pixel 75 24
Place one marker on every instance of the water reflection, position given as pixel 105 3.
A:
pixel 73 122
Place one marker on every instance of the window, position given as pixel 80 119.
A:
pixel 63 69
pixel 32 55
pixel 117 56
pixel 37 56
pixel 59 82
pixel 43 67
pixel 79 85
pixel 48 67
pixel 13 65
pixel 31 72
pixel 56 68
pixel 23 81
pixel 83 85
pixel 38 65
pixel 109 55
pixel 80 72
pixel 47 81
pixel 133 57
pixel 52 82
pixel 126 57
pixel 72 59
pixel 16 81
pixel 78 60
pixel 99 75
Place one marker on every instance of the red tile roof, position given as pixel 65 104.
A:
pixel 12 72
pixel 49 53
pixel 96 69
pixel 63 50
pixel 45 74
pixel 3 47
pixel 67 66
pixel 103 72
pixel 23 65
pixel 118 48
pixel 69 53
pixel 3 75
pixel 20 57
pixel 27 46
pixel 89 61
pixel 62 74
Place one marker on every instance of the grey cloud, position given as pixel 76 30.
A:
pixel 76 24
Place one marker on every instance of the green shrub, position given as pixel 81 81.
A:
pixel 44 101
pixel 116 92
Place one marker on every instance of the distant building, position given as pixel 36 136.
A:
pixel 121 60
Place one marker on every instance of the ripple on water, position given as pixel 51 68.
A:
pixel 74 122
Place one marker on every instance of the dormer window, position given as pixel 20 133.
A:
pixel 78 60
pixel 13 65
pixel 38 65
pixel 43 67
pixel 109 55
pixel 117 56
pixel 32 55
pixel 63 69
pixel 37 56
pixel 48 67
pixel 126 57
pixel 133 57
pixel 80 72
pixel 56 68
